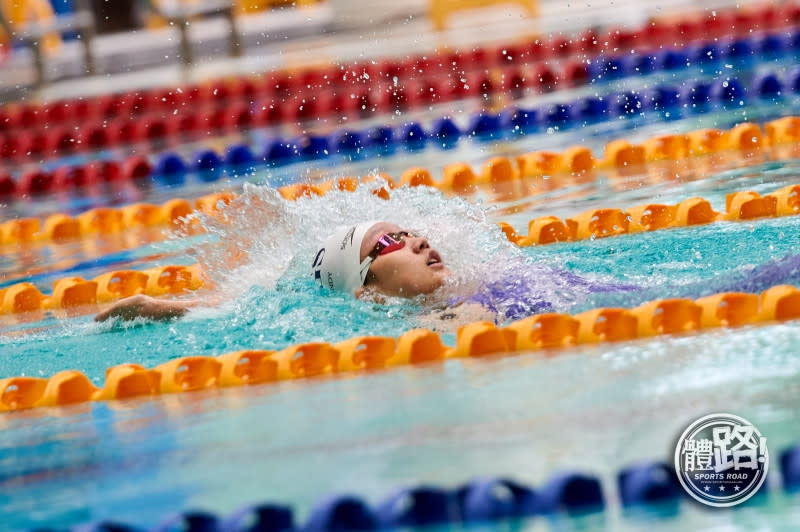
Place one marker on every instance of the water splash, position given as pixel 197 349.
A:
pixel 263 240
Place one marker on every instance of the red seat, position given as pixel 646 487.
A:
pixel 379 98
pixel 155 128
pixel 10 145
pixel 188 122
pixel 68 177
pixel 478 58
pixel 304 109
pixel 657 34
pixel 364 104
pixel 575 72
pixel 332 75
pixel 270 111
pixel 197 95
pixel 83 109
pixel 312 78
pixel 8 186
pixel 5 120
pixel 433 91
pixel 535 50
pixel 688 30
pixel 58 112
pixel 34 143
pixel 715 24
pixel 24 116
pixel 560 46
pixel 589 42
pixel 109 170
pixel 392 68
pixel 625 40
pixel 544 78
pixel 64 140
pixel 770 17
pixel 481 83
pixel 426 65
pixel 116 105
pixel 94 136
pixel 790 14
pixel 514 81
pixel 136 167
pixel 220 92
pixel 238 117
pixel 281 84
pixel 35 182
pixel 244 89
pixel 127 130
pixel 398 97
pixel 167 99
pixel 452 62
pixel 745 21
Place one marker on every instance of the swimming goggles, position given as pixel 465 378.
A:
pixel 387 243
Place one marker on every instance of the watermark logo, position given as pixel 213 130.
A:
pixel 721 460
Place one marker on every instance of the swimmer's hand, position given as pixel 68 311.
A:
pixel 142 306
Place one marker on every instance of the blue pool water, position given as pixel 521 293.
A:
pixel 592 408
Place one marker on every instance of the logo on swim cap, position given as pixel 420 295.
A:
pixel 336 265
pixel 721 460
pixel 348 236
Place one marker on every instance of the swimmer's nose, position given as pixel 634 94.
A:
pixel 418 243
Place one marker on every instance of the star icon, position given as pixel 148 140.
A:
pixel 722 488
pixel 708 488
pixel 736 488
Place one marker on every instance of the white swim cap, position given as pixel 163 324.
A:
pixel 337 263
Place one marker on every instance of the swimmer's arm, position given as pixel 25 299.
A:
pixel 142 306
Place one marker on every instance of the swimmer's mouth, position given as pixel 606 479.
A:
pixel 434 260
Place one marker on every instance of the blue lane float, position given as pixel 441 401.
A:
pixel 649 483
pixel 492 499
pixel 790 466
pixel 417 507
pixel 642 486
pixel 259 518
pixel 446 133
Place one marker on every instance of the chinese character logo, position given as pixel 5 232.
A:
pixel 721 460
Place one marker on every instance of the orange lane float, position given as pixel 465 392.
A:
pixel 60 227
pixel 72 292
pixel 545 334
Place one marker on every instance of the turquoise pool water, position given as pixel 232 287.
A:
pixel 593 408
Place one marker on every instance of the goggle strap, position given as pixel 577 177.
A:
pixel 365 264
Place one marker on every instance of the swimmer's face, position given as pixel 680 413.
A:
pixel 414 269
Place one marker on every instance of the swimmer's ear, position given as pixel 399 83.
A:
pixel 360 292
